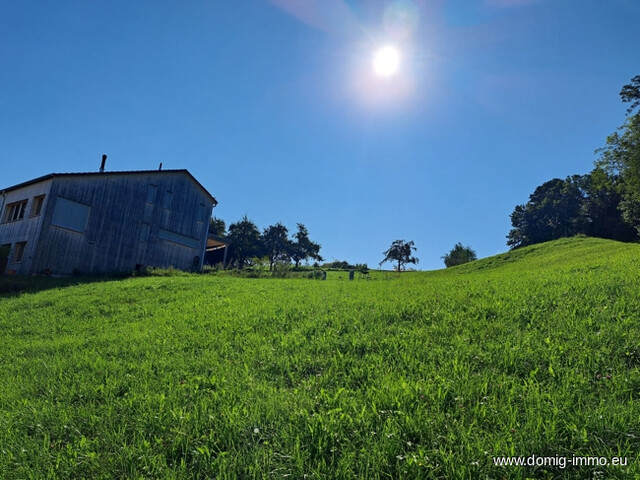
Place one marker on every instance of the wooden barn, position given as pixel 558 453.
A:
pixel 103 222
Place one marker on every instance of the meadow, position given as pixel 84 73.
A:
pixel 419 375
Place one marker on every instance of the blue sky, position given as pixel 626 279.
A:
pixel 274 106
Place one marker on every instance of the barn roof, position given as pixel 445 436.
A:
pixel 113 173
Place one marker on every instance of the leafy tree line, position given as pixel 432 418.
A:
pixel 247 244
pixel 604 203
pixel 344 265
pixel 621 156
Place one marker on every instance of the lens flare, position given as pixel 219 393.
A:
pixel 401 19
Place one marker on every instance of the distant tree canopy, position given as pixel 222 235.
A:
pixel 339 265
pixel 605 203
pixel 276 244
pixel 459 255
pixel 602 214
pixel 247 244
pixel 621 156
pixel 217 227
pixel 630 93
pixel 344 265
pixel 302 248
pixel 580 204
pixel 400 252
pixel 551 212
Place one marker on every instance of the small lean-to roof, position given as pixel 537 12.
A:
pixel 214 242
pixel 102 174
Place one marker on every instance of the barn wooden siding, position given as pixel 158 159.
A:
pixel 107 222
pixel 25 230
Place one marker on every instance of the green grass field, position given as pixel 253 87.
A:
pixel 419 375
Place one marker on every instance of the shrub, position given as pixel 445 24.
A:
pixel 459 255
pixel 316 275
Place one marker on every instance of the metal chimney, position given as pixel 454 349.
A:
pixel 104 160
pixel 160 166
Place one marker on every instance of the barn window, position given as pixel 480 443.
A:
pixel 18 251
pixel 36 208
pixel 152 191
pixel 166 199
pixel 15 211
pixel 70 215
pixel 144 232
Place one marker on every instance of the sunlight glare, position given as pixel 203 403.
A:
pixel 386 61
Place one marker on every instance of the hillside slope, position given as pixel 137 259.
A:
pixel 427 375
pixel 563 254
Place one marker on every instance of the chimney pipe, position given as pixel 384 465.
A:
pixel 104 160
pixel 160 166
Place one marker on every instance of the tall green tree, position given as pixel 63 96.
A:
pixel 277 245
pixel 601 212
pixel 630 93
pixel 303 248
pixel 400 252
pixel 217 227
pixel 580 204
pixel 553 211
pixel 244 238
pixel 621 155
pixel 459 255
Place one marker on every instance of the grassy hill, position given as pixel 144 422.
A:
pixel 418 375
pixel 565 254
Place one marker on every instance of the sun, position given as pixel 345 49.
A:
pixel 386 61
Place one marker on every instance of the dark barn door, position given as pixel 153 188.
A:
pixel 4 257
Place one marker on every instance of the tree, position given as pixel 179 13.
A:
pixel 303 248
pixel 630 93
pixel 401 252
pixel 277 245
pixel 604 203
pixel 217 227
pixel 621 156
pixel 459 255
pixel 339 264
pixel 580 204
pixel 601 212
pixel 553 211
pixel 244 238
